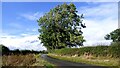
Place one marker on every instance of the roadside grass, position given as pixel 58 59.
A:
pixel 25 60
pixel 100 61
pixel 41 62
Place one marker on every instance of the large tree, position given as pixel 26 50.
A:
pixel 114 35
pixel 61 27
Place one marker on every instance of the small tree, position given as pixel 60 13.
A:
pixel 61 27
pixel 114 35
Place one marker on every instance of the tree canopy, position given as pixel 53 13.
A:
pixel 114 35
pixel 61 27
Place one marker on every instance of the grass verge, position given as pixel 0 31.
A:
pixel 99 61
pixel 41 62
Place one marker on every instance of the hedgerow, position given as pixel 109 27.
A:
pixel 105 51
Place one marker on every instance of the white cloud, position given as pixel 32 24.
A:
pixel 100 10
pixel 32 16
pixel 24 34
pixel 95 32
pixel 101 20
pixel 30 42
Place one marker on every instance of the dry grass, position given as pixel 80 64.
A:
pixel 25 60
pixel 18 60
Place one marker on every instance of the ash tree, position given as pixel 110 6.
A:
pixel 61 27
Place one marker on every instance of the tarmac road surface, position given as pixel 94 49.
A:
pixel 68 64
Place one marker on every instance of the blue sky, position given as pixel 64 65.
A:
pixel 15 16
pixel 19 24
pixel 59 0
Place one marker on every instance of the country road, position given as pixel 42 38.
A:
pixel 67 64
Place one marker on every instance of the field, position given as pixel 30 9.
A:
pixel 24 60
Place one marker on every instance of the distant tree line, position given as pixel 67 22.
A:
pixel 6 51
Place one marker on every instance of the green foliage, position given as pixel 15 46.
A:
pixel 97 51
pixel 4 49
pixel 105 51
pixel 114 35
pixel 59 27
pixel 48 66
pixel 114 49
pixel 65 51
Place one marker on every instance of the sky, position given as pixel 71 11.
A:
pixel 59 0
pixel 20 27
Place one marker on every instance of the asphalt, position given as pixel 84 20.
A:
pixel 68 64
